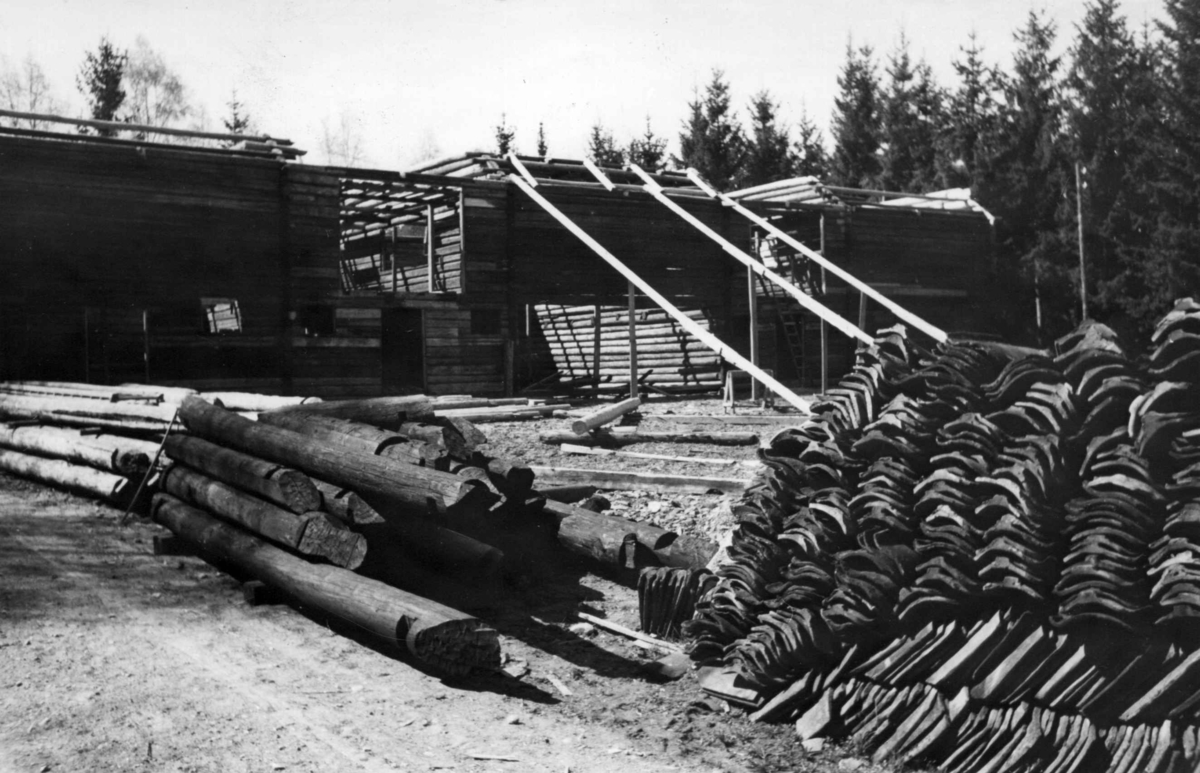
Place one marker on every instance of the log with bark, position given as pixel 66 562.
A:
pixel 501 413
pixel 571 448
pixel 443 638
pixel 113 453
pixel 310 534
pixel 601 416
pixel 417 489
pixel 444 436
pixel 354 436
pixel 621 436
pixel 271 481
pixel 605 538
pixel 106 486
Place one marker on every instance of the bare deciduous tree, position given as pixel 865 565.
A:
pixel 342 144
pixel 24 88
pixel 156 95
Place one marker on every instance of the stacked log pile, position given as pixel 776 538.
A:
pixel 979 557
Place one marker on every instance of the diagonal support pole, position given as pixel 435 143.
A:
pixel 686 322
pixel 901 313
pixel 807 301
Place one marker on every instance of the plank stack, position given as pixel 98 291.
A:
pixel 979 557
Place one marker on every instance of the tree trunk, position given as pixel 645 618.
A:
pixel 74 477
pixel 33 407
pixel 273 482
pixel 448 640
pixel 310 534
pixel 418 489
pixel 596 535
pixel 124 456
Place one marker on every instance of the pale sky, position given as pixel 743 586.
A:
pixel 409 73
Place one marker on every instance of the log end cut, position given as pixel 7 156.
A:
pixel 333 542
pixel 454 645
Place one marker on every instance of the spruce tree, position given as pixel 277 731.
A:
pixel 505 136
pixel 810 157
pixel 856 122
pixel 712 141
pixel 602 149
pixel 543 149
pixel 1110 84
pixel 966 142
pixel 769 156
pixel 99 80
pixel 647 151
pixel 910 119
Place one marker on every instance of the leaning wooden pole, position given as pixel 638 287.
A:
pixel 419 489
pixel 805 300
pixel 686 322
pixel 450 641
pixel 901 313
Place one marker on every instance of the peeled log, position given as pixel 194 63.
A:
pixel 124 456
pixel 417 488
pixel 621 436
pixel 249 401
pixel 352 435
pixel 501 413
pixel 309 534
pixel 273 482
pixel 34 407
pixel 385 412
pixel 602 416
pixel 74 477
pixel 346 506
pixel 612 480
pixel 448 640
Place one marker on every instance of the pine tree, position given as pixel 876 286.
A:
pixel 505 137
pixel 99 80
pixel 602 149
pixel 712 141
pixel 856 122
pixel 966 142
pixel 647 151
pixel 910 119
pixel 769 157
pixel 809 153
pixel 543 150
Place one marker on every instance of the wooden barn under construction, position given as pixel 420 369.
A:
pixel 228 263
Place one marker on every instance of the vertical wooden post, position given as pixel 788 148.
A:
pixel 596 341
pixel 392 237
pixel 429 245
pixel 1082 260
pixel 462 242
pixel 146 343
pixel 824 327
pixel 633 360
pixel 752 297
pixel 862 311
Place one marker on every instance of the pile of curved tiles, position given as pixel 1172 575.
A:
pixel 980 557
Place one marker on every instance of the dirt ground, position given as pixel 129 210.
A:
pixel 114 659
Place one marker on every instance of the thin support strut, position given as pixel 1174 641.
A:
pixel 901 313
pixel 686 322
pixel 807 301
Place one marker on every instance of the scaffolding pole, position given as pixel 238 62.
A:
pixel 686 322
pixel 901 313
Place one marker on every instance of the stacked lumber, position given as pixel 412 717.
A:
pixel 979 557
pixel 668 352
